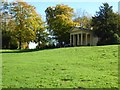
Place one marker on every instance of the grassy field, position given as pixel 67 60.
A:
pixel 74 67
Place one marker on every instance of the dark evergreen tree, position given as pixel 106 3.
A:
pixel 105 25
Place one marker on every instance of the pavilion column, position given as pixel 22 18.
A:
pixel 81 39
pixel 78 39
pixel 86 39
pixel 90 40
pixel 73 39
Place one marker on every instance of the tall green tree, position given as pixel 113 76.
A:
pixel 59 21
pixel 105 24
pixel 4 19
pixel 41 37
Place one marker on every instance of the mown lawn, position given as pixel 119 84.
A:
pixel 74 67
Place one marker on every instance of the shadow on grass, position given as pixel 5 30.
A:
pixel 19 51
pixel 24 50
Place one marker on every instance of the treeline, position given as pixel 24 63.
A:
pixel 20 24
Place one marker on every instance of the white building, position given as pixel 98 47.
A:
pixel 81 37
pixel 32 45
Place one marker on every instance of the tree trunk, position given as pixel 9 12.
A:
pixel 20 43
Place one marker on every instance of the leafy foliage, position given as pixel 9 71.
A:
pixel 105 25
pixel 24 17
pixel 59 20
pixel 84 21
pixel 82 18
pixel 24 23
pixel 4 19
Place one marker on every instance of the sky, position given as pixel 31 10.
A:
pixel 89 7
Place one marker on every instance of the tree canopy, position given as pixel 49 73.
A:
pixel 24 22
pixel 105 25
pixel 82 18
pixel 21 23
pixel 4 18
pixel 84 21
pixel 59 21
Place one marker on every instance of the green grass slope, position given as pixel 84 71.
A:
pixel 74 67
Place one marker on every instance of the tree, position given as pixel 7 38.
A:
pixel 41 37
pixel 27 22
pixel 105 25
pixel 82 18
pixel 59 21
pixel 84 21
pixel 118 22
pixel 4 19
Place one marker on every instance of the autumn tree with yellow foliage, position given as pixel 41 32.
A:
pixel 59 21
pixel 27 22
